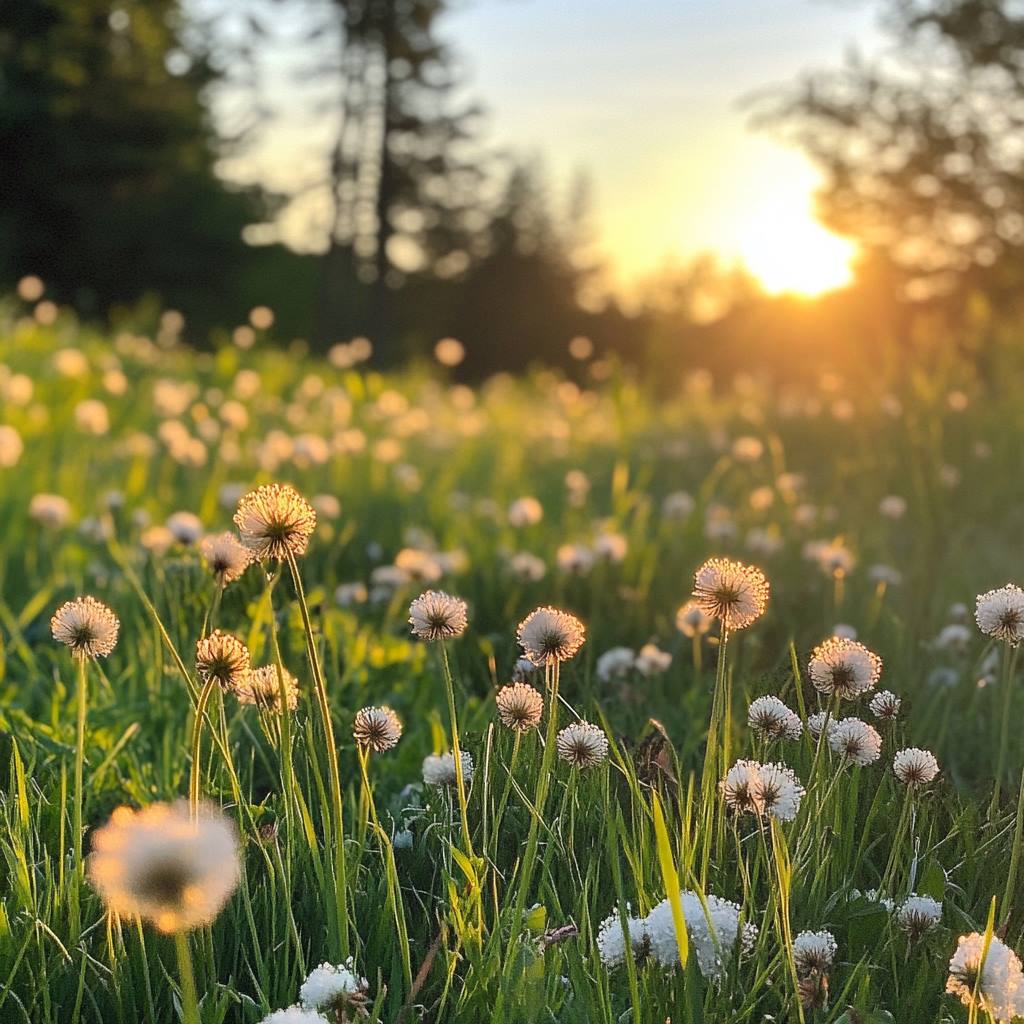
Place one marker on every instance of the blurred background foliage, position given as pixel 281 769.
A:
pixel 112 192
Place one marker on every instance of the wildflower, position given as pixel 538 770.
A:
pixel 990 980
pixel 612 547
pixel 583 745
pixel 223 657
pixel 885 705
pixel 226 557
pixel 731 591
pixel 435 615
pixel 915 767
pixel 611 939
pixel 548 636
pixel 917 915
pixel 677 506
pixel 712 926
pixel 527 567
pixel 855 741
pixel 11 446
pixel 87 626
pixel 294 1015
pixel 185 527
pixel 419 566
pixel 439 769
pixel 335 988
pixel 651 660
pixel 575 559
pixel 275 521
pixel 892 506
pixel 769 717
pixel 741 787
pixel 615 663
pixel 261 686
pixel 814 951
pixel 525 512
pixel 349 594
pixel 1000 613
pixel 50 510
pixel 844 668
pixel 524 670
pixel 780 791
pixel 519 706
pixel 816 722
pixel 377 728
pixel 691 620
pixel 954 636
pixel 160 864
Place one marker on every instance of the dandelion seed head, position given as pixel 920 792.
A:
pixel 855 741
pixel 1000 613
pixel 769 717
pixel 225 556
pixel 548 635
pixel 992 981
pixel 275 521
pixel 814 951
pixel 86 626
pixel 844 668
pixel 160 864
pixel 713 929
pixel 917 915
pixel 582 745
pixel 780 791
pixel 378 728
pixel 435 615
pixel 519 706
pixel 223 657
pixel 615 663
pixel 439 769
pixel 885 705
pixel 816 722
pixel 692 621
pixel 260 687
pixel 295 1015
pixel 611 940
pixel 741 787
pixel 735 593
pixel 915 767
pixel 333 987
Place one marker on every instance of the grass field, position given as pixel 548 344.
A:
pixel 882 508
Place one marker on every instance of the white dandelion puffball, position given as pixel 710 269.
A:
pixel 844 668
pixel 741 787
pixel 50 510
pixel 915 767
pixel 226 556
pixel 582 745
pixel 262 687
pixel 713 928
pixel 691 620
pixel 918 915
pixel 769 717
pixel 885 705
pixel 855 741
pixel 377 728
pixel 275 522
pixel 526 511
pixel 816 723
pixel 780 791
pixel 86 626
pixel 329 986
pixel 520 706
pixel 814 951
pixel 435 615
pixel 295 1015
pixel 651 660
pixel 548 636
pixel 990 980
pixel 735 593
pixel 1000 613
pixel 185 527
pixel 439 769
pixel 160 864
pixel 611 939
pixel 615 663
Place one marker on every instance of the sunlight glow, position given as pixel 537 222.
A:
pixel 788 250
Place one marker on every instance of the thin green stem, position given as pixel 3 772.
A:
pixel 1008 666
pixel 189 1003
pixel 196 768
pixel 460 786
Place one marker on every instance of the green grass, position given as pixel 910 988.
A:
pixel 443 933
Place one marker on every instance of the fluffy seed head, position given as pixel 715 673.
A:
pixel 770 718
pixel 87 626
pixel 989 979
pixel 741 787
pixel 223 657
pixel 917 915
pixel 1000 613
pixel 583 745
pixel 377 728
pixel 519 706
pixel 439 769
pixel 548 635
pixel 844 668
pixel 855 741
pixel 226 557
pixel 336 988
pixel 885 705
pixel 435 615
pixel 275 521
pixel 712 925
pixel 915 767
pixel 261 687
pixel 731 591
pixel 611 940
pixel 691 620
pixel 814 951
pixel 161 865
pixel 780 791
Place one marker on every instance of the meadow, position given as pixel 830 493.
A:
pixel 682 858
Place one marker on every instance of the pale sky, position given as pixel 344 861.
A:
pixel 644 96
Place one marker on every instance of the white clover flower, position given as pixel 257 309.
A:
pixel 439 769
pixel 435 615
pixel 885 705
pixel 855 741
pixel 1000 613
pixel 845 668
pixel 615 663
pixel 611 939
pixel 814 951
pixel 769 717
pixel 917 915
pixel 915 767
pixel 990 980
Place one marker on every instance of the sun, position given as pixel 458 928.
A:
pixel 789 251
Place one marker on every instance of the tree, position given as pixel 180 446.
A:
pixel 921 149
pixel 108 168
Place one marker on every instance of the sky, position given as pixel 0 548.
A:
pixel 645 97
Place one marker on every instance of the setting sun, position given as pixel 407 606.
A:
pixel 787 250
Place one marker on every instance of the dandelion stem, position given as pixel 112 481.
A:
pixel 460 785
pixel 196 768
pixel 82 701
pixel 189 1003
pixel 334 775
pixel 1008 666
